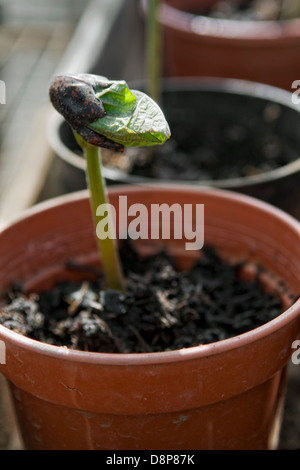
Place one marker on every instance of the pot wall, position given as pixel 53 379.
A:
pixel 104 401
pixel 266 52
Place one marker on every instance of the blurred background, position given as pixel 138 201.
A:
pixel 39 38
pixel 34 36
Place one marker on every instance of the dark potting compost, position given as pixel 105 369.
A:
pixel 163 308
pixel 213 149
pixel 214 137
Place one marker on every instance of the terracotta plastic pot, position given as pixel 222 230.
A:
pixel 192 103
pixel 225 395
pixel 195 45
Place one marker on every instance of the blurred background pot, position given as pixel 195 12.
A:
pixel 190 105
pixel 195 45
pixel 225 395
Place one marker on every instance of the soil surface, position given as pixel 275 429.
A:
pixel 217 150
pixel 163 309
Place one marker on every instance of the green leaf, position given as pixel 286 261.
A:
pixel 133 118
pixel 117 98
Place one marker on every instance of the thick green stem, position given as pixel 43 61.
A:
pixel 280 9
pixel 154 51
pixel 107 245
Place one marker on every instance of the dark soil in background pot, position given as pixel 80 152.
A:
pixel 163 309
pixel 216 134
pixel 217 148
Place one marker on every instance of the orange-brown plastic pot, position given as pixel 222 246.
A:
pixel 225 395
pixel 195 45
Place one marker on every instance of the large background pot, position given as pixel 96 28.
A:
pixel 186 103
pixel 194 45
pixel 207 397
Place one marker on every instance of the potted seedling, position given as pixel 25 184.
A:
pixel 107 114
pixel 146 345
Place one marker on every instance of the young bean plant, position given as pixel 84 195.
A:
pixel 106 113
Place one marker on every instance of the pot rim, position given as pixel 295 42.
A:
pixel 212 84
pixel 240 32
pixel 132 359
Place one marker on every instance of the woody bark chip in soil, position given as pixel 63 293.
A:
pixel 225 395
